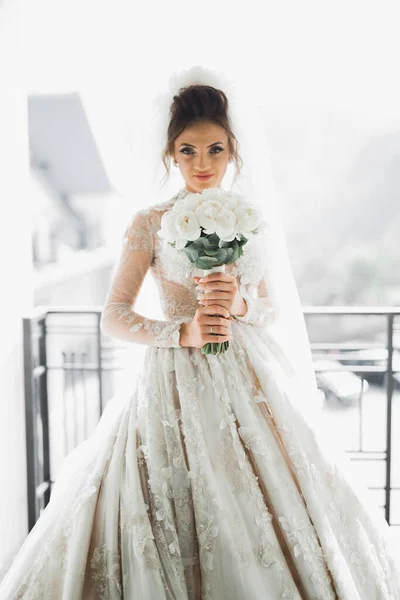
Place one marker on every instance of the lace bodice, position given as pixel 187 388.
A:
pixel 142 249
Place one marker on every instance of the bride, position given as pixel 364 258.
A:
pixel 212 479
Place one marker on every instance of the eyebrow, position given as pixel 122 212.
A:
pixel 191 145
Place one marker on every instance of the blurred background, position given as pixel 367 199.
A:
pixel 76 80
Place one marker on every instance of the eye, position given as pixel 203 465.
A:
pixel 183 151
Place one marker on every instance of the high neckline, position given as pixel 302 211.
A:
pixel 182 192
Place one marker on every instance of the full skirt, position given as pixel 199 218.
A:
pixel 208 481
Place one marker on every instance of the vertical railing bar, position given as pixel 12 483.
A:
pixel 85 395
pixel 65 396
pixel 30 421
pixel 360 414
pixel 44 408
pixel 38 428
pixel 389 398
pixel 74 401
pixel 99 364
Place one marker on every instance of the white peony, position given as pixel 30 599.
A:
pixel 188 228
pixel 191 202
pixel 248 218
pixel 231 202
pixel 207 214
pixel 179 227
pixel 214 210
pixel 227 226
pixel 234 200
pixel 214 193
pixel 168 226
pixel 179 205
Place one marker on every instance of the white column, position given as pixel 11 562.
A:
pixel 16 296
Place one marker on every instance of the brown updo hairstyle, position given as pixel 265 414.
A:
pixel 199 103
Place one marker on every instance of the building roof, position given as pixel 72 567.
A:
pixel 62 143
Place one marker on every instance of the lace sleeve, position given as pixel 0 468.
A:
pixel 118 318
pixel 259 309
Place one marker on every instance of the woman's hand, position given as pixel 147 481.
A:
pixel 197 333
pixel 222 289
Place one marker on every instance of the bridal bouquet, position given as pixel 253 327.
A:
pixel 211 227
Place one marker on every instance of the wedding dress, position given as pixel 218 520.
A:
pixel 206 481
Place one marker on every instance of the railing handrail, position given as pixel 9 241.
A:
pixel 352 310
pixel 307 309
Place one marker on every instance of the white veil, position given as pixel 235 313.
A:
pixel 288 332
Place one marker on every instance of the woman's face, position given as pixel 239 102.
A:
pixel 202 148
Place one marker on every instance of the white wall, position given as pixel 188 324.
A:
pixel 16 278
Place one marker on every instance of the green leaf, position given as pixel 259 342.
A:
pixel 200 242
pixel 209 244
pixel 192 253
pixel 211 252
pixel 206 262
pixel 213 238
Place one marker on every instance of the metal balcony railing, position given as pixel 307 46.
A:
pixel 71 371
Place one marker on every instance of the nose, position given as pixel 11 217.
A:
pixel 203 162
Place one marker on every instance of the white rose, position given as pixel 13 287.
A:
pixel 207 214
pixel 226 225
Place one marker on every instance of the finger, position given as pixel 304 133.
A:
pixel 226 302
pixel 221 303
pixel 213 296
pixel 218 276
pixel 216 286
pixel 216 339
pixel 215 309
pixel 211 321
pixel 217 329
